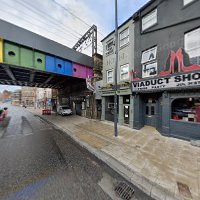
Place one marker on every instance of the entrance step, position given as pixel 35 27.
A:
pixel 149 129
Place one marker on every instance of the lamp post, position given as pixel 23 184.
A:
pixel 116 68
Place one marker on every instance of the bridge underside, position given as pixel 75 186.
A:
pixel 15 75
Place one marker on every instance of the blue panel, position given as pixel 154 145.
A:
pixel 50 64
pixel 68 68
pixel 60 66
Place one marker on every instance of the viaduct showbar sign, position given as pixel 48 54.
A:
pixel 162 83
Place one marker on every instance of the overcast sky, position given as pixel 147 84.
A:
pixel 65 21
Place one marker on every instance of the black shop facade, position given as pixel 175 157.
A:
pixel 170 102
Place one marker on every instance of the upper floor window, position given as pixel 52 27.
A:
pixel 124 37
pixel 110 47
pixel 149 20
pixel 149 62
pixel 124 72
pixel 110 76
pixel 186 2
pixel 192 45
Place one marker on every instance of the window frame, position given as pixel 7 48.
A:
pixel 124 38
pixel 191 49
pixel 107 77
pixel 110 50
pixel 189 3
pixel 127 64
pixel 149 14
pixel 148 62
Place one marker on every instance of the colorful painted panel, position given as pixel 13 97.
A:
pixel 79 71
pixel 39 61
pixel 1 50
pixel 60 66
pixel 50 64
pixel 68 68
pixel 26 57
pixel 89 72
pixel 11 53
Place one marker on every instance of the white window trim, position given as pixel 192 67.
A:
pixel 149 14
pixel 111 70
pixel 121 39
pixel 187 2
pixel 192 44
pixel 111 49
pixel 149 61
pixel 121 72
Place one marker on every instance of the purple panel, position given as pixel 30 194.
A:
pixel 89 72
pixel 79 71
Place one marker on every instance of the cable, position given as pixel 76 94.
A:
pixel 73 15
pixel 56 24
pixel 36 25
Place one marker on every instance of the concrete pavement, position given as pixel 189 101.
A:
pixel 164 168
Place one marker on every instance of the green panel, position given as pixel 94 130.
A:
pixel 26 57
pixel 11 53
pixel 39 61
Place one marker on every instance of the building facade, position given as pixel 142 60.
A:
pixel 166 78
pixel 16 97
pixel 125 65
pixel 28 97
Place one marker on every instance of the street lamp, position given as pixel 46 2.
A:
pixel 116 68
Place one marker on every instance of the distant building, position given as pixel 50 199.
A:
pixel 28 96
pixel 6 95
pixel 16 97
pixel 44 97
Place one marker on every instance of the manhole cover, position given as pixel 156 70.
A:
pixel 124 191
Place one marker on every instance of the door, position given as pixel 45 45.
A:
pixel 151 113
pixel 126 114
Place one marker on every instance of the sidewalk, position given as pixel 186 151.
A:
pixel 164 168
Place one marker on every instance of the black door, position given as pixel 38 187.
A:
pixel 151 113
pixel 126 114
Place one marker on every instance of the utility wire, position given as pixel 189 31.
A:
pixel 44 16
pixel 36 25
pixel 41 21
pixel 66 9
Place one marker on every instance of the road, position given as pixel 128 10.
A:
pixel 39 162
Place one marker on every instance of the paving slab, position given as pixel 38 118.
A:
pixel 165 168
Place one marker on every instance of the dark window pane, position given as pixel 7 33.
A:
pixel 152 110
pixel 147 110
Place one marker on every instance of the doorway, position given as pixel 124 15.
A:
pixel 151 112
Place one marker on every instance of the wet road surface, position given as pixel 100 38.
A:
pixel 38 162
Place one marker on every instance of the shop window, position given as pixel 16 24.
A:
pixel 124 72
pixel 149 62
pixel 192 46
pixel 110 76
pixel 124 37
pixel 149 20
pixel 186 109
pixel 126 99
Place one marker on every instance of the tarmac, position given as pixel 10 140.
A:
pixel 164 168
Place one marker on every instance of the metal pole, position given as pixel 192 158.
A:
pixel 116 68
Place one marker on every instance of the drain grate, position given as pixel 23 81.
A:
pixel 124 191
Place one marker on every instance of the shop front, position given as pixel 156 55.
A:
pixel 170 103
pixel 124 109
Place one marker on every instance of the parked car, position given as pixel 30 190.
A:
pixel 64 110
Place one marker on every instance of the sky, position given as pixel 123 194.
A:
pixel 65 21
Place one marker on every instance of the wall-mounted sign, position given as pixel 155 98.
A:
pixel 163 83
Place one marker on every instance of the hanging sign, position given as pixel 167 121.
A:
pixel 163 83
